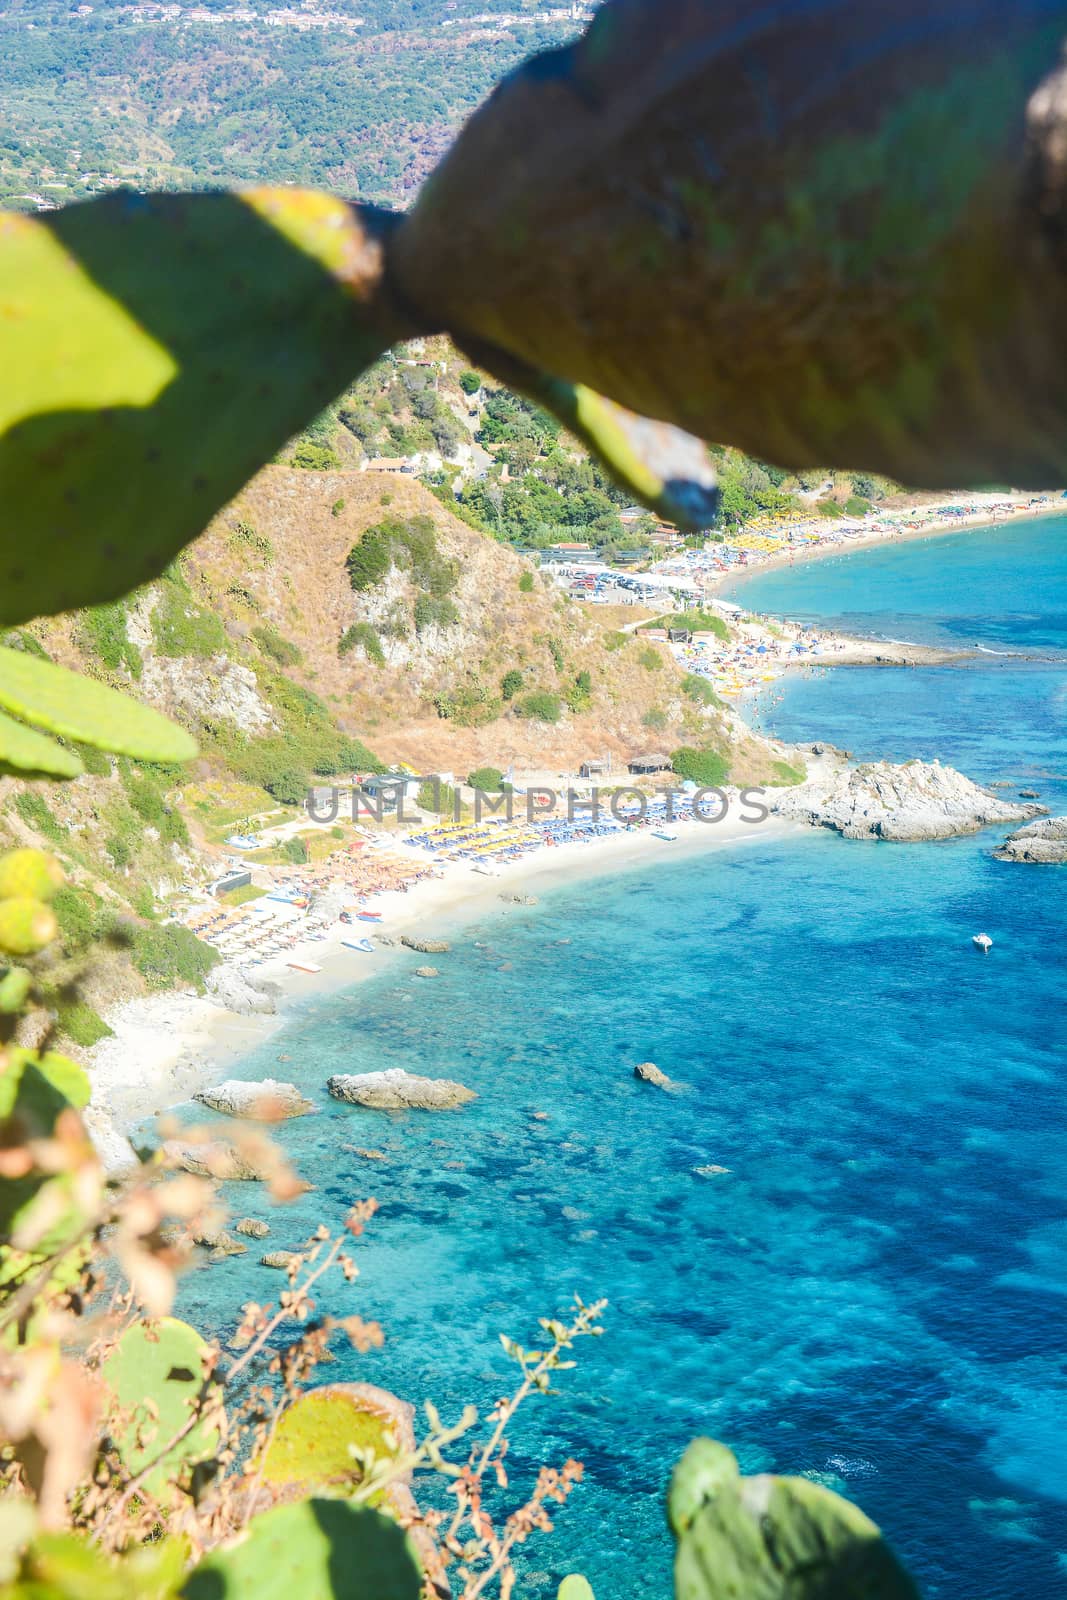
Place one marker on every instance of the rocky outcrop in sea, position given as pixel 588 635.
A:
pixel 213 1159
pixel 1043 843
pixel 264 1101
pixel 914 801
pixel 397 1090
pixel 648 1072
pixel 427 947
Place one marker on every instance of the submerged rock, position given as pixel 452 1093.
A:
pixel 648 1072
pixel 264 1101
pixel 252 1228
pixel 1043 843
pixel 397 1090
pixel 226 1245
pixel 918 800
pixel 427 972
pixel 520 899
pixel 214 1159
pixel 428 947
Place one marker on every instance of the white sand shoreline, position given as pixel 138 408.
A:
pixel 166 1046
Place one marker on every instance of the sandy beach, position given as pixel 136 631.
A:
pixel 885 533
pixel 165 1047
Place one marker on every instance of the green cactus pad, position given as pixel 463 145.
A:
pixel 767 1538
pixel 310 1447
pixel 26 754
pixel 575 1587
pixel 36 1088
pixel 163 1362
pixel 79 708
pixel 41 1085
pixel 65 1566
pixel 315 1550
pixel 156 351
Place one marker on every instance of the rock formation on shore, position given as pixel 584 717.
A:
pixel 918 800
pixel 1043 843
pixel 242 991
pixel 427 947
pixel 265 1101
pixel 397 1090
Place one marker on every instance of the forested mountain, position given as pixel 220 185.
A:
pixel 361 98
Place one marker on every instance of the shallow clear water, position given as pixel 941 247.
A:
pixel 875 1290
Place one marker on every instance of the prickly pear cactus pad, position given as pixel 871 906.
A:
pixel 311 1444
pixel 821 232
pixel 154 1372
pixel 156 350
pixel 767 1538
pixel 79 708
pixel 316 1550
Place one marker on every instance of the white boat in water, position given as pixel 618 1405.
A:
pixel 983 942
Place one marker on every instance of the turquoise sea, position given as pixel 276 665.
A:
pixel 875 1291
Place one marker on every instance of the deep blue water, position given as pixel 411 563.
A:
pixel 876 1289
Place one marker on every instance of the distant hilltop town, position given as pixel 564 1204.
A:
pixel 306 18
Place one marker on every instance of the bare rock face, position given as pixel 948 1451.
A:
pixel 397 1090
pixel 282 1259
pixel 427 972
pixel 428 947
pixel 252 1228
pixel 918 800
pixel 265 1101
pixel 1043 843
pixel 242 991
pixel 648 1072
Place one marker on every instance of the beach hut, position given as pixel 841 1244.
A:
pixel 593 769
pixel 232 880
pixel 642 766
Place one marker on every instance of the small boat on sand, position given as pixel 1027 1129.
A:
pixel 664 833
pixel 369 916
pixel 983 942
pixel 303 966
pixel 363 945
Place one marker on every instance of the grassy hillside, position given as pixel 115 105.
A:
pixel 327 622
